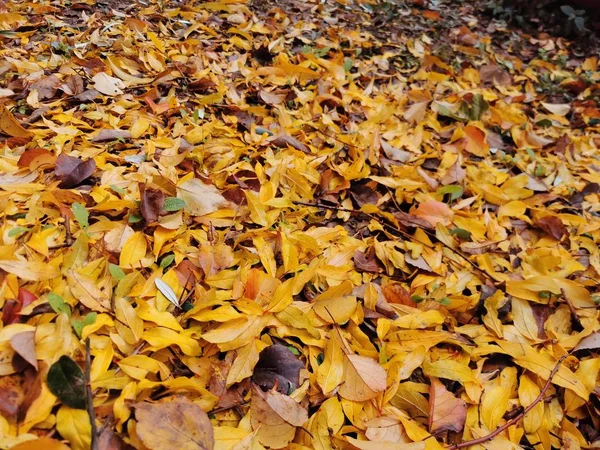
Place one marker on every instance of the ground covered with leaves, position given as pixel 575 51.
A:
pixel 231 225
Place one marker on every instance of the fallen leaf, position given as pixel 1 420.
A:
pixel 446 412
pixel 23 344
pixel 178 423
pixel 67 382
pixel 107 85
pixel 364 379
pixel 11 126
pixel 73 171
pixel 279 368
pixel 433 212
pixel 200 199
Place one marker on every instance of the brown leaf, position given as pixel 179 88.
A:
pixel 46 87
pixel 367 262
pixel 478 248
pixel 109 440
pixel 277 366
pixel 272 98
pixel 275 416
pixel 553 226
pixel 73 171
pixel 110 135
pixel 434 212
pixel 455 174
pixel 590 342
pixel 151 204
pixel 493 74
pixel 87 96
pixel 410 220
pixel 446 412
pixel 283 140
pixel 35 158
pixel 23 344
pixel 11 395
pixel 72 85
pixel 395 293
pixel 178 425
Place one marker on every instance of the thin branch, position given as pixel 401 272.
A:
pixel 515 419
pixel 90 396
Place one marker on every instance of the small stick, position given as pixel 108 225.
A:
pixel 514 420
pixel 90 397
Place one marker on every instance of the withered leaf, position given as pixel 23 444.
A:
pixel 151 204
pixel 446 412
pixel 46 86
pixel 283 140
pixel 553 226
pixel 73 171
pixel 23 344
pixel 367 261
pixel 177 424
pixel 111 135
pixel 277 367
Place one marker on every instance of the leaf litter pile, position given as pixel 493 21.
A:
pixel 240 226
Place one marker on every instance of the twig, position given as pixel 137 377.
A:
pixel 514 420
pixel 90 397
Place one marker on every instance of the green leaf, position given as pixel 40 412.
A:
pixel 81 215
pixel 348 64
pixel 116 272
pixel 580 23
pixel 79 325
pixel 117 189
pixel 445 301
pixel 454 190
pixel 17 231
pixel 294 350
pixel 544 123
pixel 134 218
pixel 173 204
pixel 166 261
pixel 58 304
pixel 461 233
pixel 417 298
pixel 479 107
pixel 67 382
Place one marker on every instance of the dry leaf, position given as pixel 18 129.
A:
pixel 178 423
pixel 446 412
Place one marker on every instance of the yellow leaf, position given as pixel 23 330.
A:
pixel 30 271
pixel 364 379
pixel 127 315
pixel 330 373
pixel 37 444
pixel 244 362
pixel 496 394
pixel 138 366
pixel 134 251
pixel 160 337
pixel 74 425
pixel 528 392
pixel 86 291
pixel 236 333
